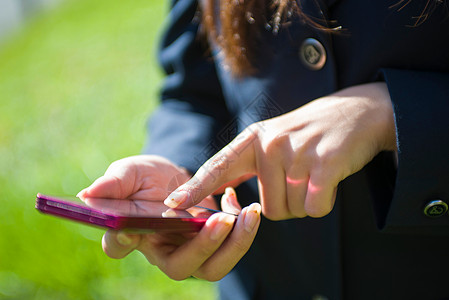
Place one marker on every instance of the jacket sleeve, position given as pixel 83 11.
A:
pixel 421 108
pixel 192 111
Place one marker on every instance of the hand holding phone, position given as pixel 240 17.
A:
pixel 209 253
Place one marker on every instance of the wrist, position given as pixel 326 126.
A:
pixel 377 101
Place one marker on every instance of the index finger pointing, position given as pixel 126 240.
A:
pixel 231 162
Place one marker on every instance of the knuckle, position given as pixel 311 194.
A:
pixel 194 187
pixel 173 272
pixel 218 162
pixel 253 129
pixel 318 211
pixel 209 273
pixel 217 167
pixel 175 276
pixel 122 162
pixel 301 155
pixel 275 215
pixel 249 134
pixel 247 137
pixel 328 160
pixel 114 166
pixel 323 175
pixel 274 143
pixel 205 251
pixel 240 246
pixel 298 213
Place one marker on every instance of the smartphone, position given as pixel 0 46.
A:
pixel 139 216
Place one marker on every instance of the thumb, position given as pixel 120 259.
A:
pixel 118 182
pixel 231 162
pixel 103 187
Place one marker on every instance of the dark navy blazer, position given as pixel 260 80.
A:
pixel 376 243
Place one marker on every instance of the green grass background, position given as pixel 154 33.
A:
pixel 77 84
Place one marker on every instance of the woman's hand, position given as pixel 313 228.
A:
pixel 300 157
pixel 147 177
pixel 209 254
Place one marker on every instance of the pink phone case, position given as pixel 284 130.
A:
pixel 125 214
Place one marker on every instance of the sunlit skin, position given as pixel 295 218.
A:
pixel 299 158
pixel 209 254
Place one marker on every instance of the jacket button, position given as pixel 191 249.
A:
pixel 312 54
pixel 435 208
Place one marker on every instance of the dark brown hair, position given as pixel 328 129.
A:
pixel 428 8
pixel 236 25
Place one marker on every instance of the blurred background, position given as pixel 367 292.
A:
pixel 78 79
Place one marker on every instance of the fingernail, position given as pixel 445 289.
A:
pixel 80 194
pixel 251 217
pixel 230 195
pixel 123 239
pixel 224 224
pixel 230 191
pixel 169 213
pixel 175 199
